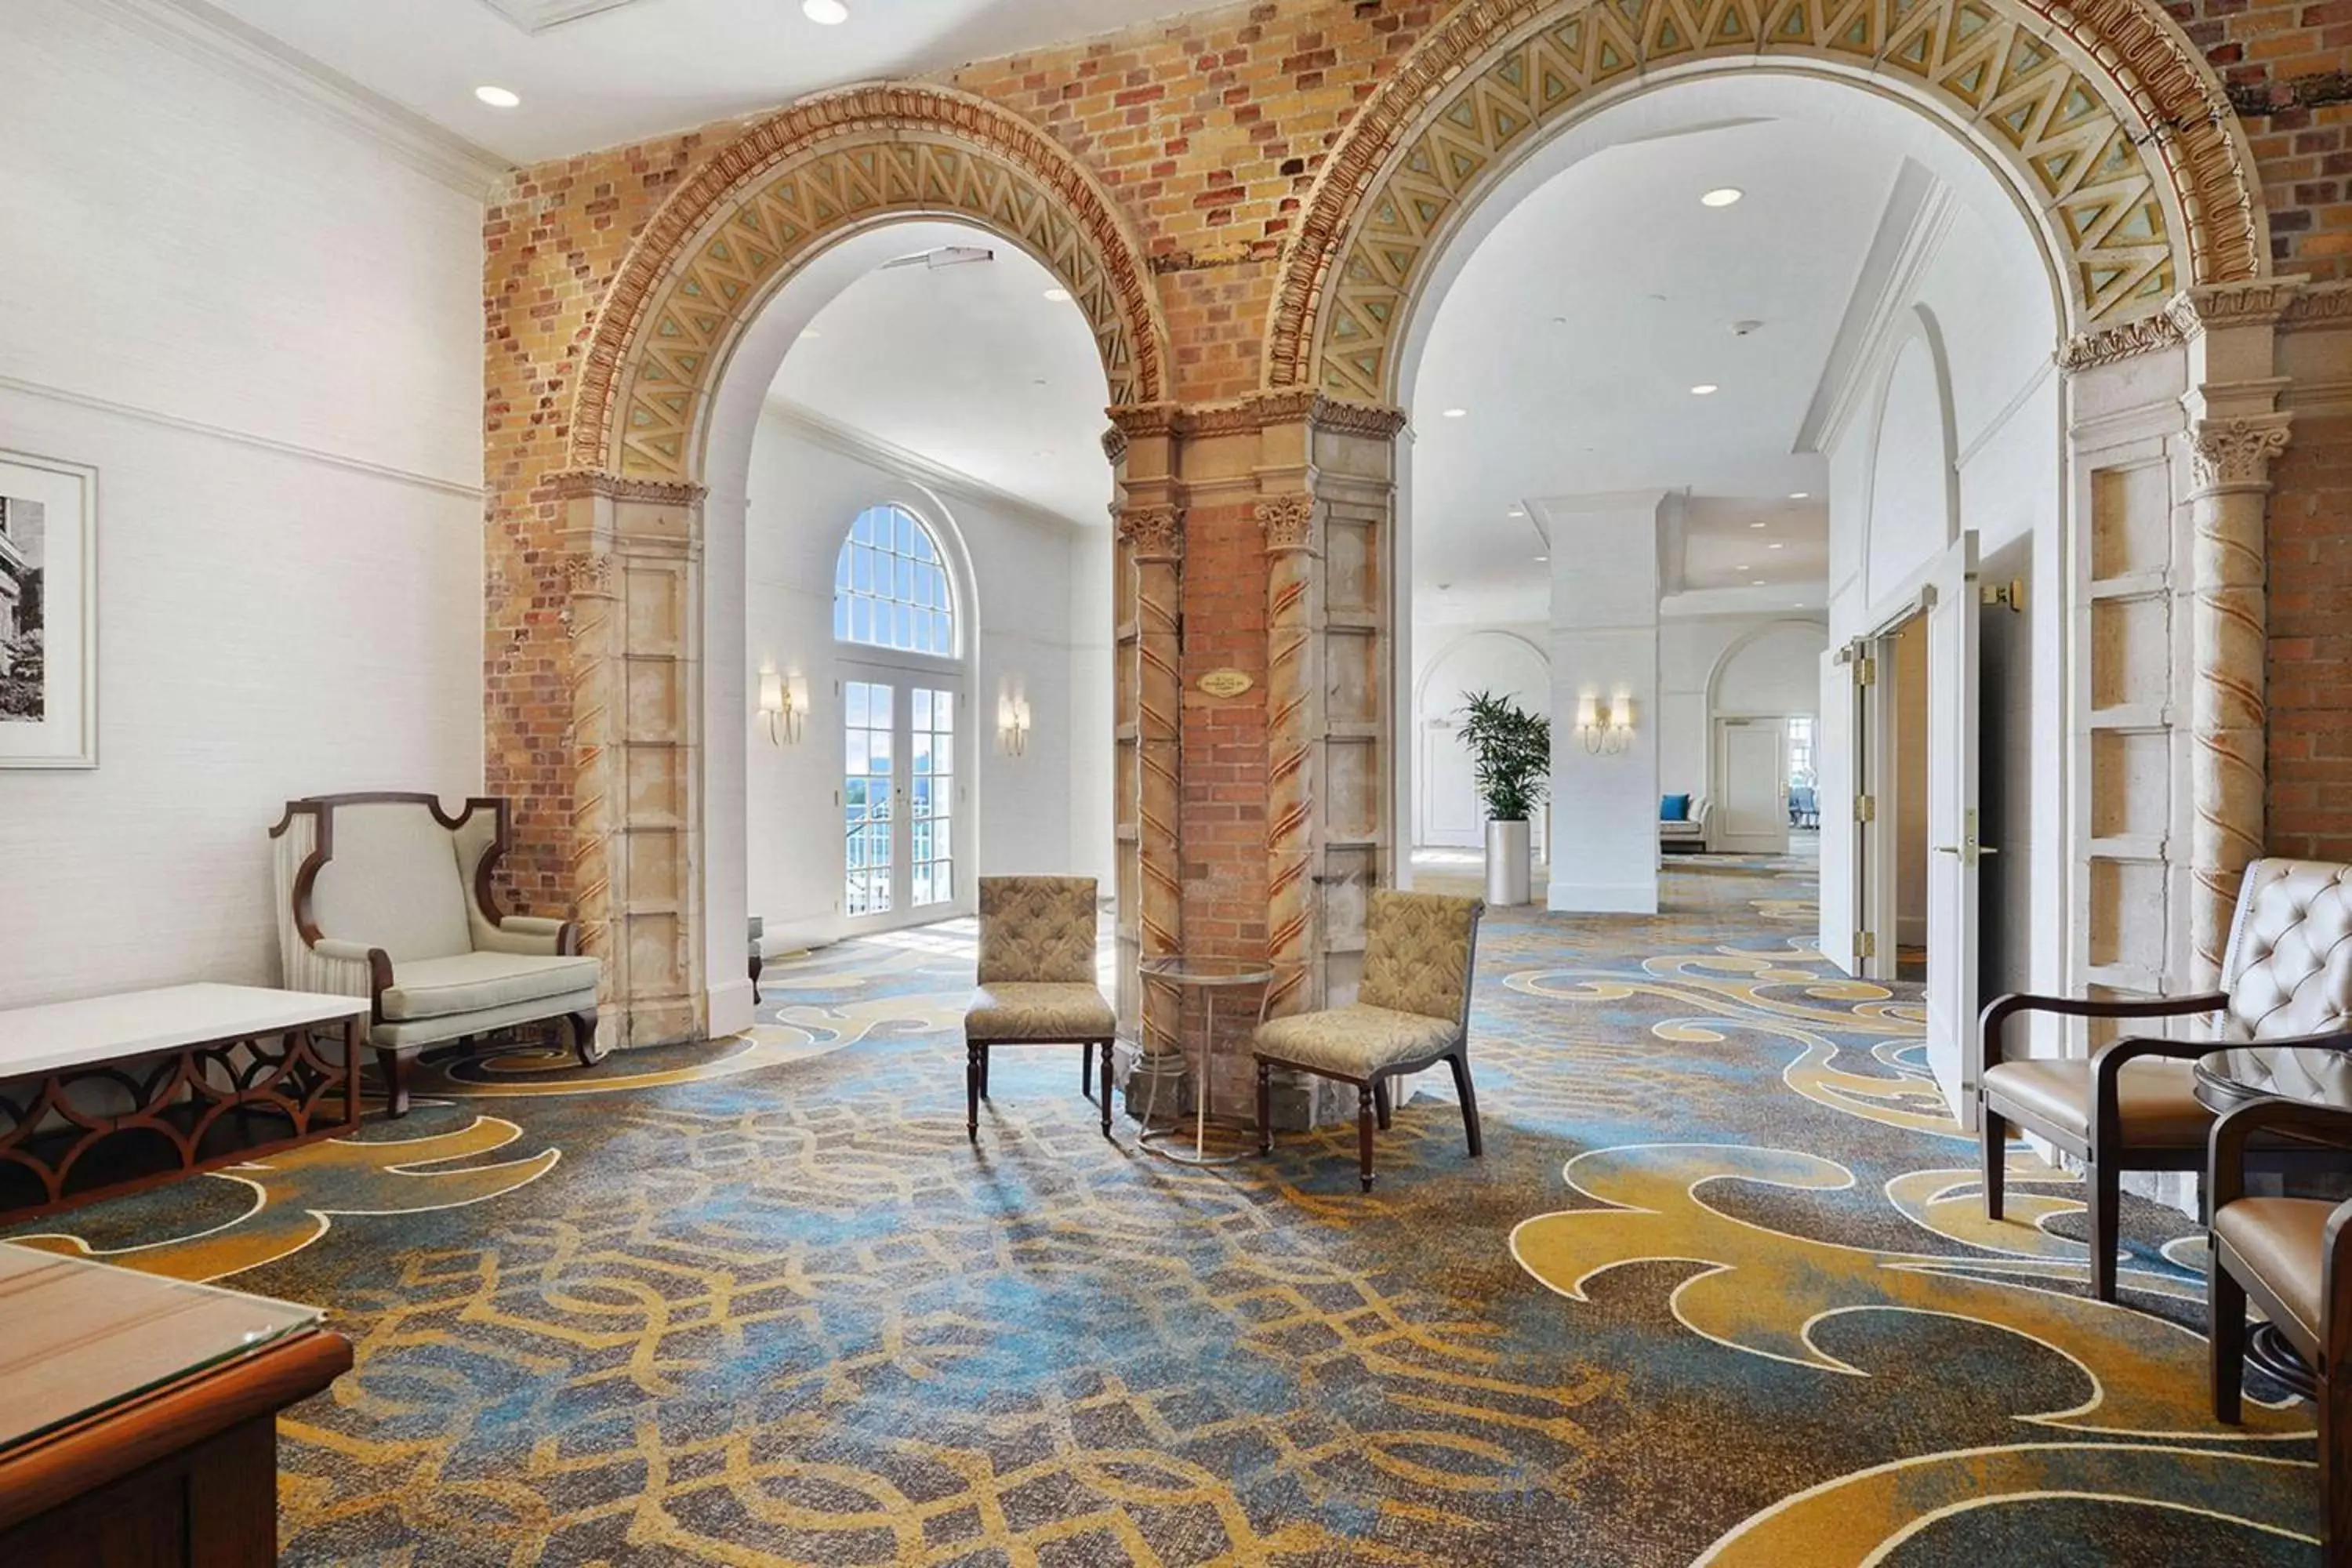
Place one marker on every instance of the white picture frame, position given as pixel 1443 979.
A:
pixel 48 612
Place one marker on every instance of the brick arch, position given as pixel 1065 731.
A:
pixel 794 184
pixel 2073 102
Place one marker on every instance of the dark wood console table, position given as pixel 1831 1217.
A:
pixel 114 1093
pixel 138 1415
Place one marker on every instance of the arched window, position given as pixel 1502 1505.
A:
pixel 890 587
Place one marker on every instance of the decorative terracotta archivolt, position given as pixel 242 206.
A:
pixel 795 183
pixel 2068 96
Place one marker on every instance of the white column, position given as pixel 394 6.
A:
pixel 1604 645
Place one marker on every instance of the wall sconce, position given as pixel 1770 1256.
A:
pixel 1605 726
pixel 1013 725
pixel 784 705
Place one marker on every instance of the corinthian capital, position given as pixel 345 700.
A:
pixel 2236 453
pixel 1289 521
pixel 1156 533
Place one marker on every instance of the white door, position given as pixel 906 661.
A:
pixel 1449 814
pixel 900 789
pixel 1837 765
pixel 1751 798
pixel 1449 798
pixel 1953 847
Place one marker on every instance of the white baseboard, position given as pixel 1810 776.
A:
pixel 1602 898
pixel 734 1006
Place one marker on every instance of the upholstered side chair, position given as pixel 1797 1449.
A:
pixel 1037 981
pixel 1412 1012
pixel 2131 1105
pixel 387 896
pixel 2292 1256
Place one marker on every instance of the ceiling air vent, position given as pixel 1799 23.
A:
pixel 945 255
pixel 539 15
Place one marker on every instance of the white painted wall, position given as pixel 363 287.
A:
pixel 1962 365
pixel 263 324
pixel 1041 593
pixel 1604 642
pixel 1750 665
pixel 1449 661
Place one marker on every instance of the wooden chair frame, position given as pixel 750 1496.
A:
pixel 2230 1282
pixel 975 1072
pixel 1372 1097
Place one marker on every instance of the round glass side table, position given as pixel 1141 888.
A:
pixel 1212 977
pixel 2314 1075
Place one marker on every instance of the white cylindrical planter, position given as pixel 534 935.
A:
pixel 1508 865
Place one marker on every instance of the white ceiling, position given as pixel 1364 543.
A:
pixel 645 66
pixel 968 366
pixel 1573 334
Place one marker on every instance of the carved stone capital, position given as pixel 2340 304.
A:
pixel 1155 532
pixel 1289 521
pixel 2236 453
pixel 588 573
pixel 574 483
pixel 2250 302
pixel 2088 351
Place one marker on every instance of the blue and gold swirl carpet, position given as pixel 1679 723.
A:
pixel 1721 1291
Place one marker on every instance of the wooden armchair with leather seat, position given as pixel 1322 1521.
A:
pixel 2131 1104
pixel 2292 1258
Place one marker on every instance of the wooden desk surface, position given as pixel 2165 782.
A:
pixel 78 1337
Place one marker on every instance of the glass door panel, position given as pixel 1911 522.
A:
pixel 932 746
pixel 869 854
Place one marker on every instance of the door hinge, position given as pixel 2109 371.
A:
pixel 1866 671
pixel 1866 944
pixel 1865 809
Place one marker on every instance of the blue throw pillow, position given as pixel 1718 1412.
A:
pixel 1673 808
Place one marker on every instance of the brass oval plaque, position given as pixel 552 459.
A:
pixel 1225 682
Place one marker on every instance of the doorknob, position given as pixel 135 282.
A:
pixel 1971 848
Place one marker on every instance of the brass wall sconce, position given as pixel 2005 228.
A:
pixel 1605 725
pixel 783 706
pixel 1013 725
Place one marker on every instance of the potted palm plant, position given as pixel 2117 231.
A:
pixel 1511 750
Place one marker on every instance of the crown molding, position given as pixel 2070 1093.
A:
pixel 896 459
pixel 203 32
pixel 1911 228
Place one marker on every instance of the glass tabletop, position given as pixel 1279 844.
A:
pixel 78 1336
pixel 2312 1074
pixel 1184 970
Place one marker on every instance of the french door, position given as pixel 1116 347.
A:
pixel 901 795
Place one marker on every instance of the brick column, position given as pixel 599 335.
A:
pixel 1294 720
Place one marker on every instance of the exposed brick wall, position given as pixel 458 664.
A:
pixel 2288 68
pixel 555 235
pixel 1208 131
pixel 2311 641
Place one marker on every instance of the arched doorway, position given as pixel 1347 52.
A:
pixel 2131 185
pixel 683 354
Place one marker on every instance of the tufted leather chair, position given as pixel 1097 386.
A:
pixel 1412 1012
pixel 2131 1105
pixel 1037 981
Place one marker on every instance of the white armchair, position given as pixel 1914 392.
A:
pixel 1688 834
pixel 387 897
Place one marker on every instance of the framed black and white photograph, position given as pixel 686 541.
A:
pixel 49 613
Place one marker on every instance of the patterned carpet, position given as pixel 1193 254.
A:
pixel 1721 1291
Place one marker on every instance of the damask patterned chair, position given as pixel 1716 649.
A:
pixel 2132 1105
pixel 2293 1257
pixel 1036 980
pixel 387 897
pixel 1412 1012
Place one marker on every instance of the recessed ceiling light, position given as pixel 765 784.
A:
pixel 1798 495
pixel 1721 196
pixel 1059 296
pixel 1705 389
pixel 1543 557
pixel 826 13
pixel 1457 413
pixel 1517 511
pixel 1776 545
pixel 497 97
pixel 1758 523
